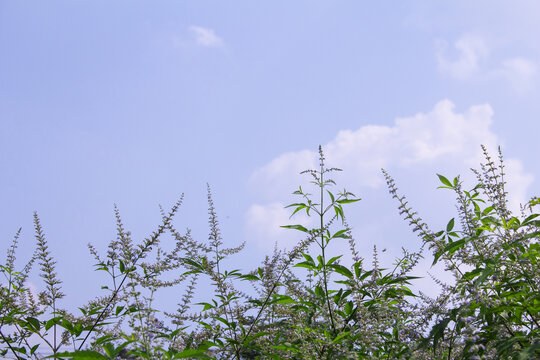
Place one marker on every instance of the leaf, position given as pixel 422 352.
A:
pixel 339 211
pixel 358 268
pixel 122 266
pixel 192 263
pixel 51 322
pixel 438 331
pixel 295 227
pixel 347 201
pixel 282 299
pixel 207 326
pixel 67 325
pixel 348 307
pixel 529 218
pixel 206 306
pixel 33 349
pixel 473 273
pixel 450 226
pixel 80 355
pixel 219 318
pixel 331 195
pixel 530 352
pixel 341 337
pixel 365 275
pixel 298 208
pixel 307 265
pixel 340 269
pixel 332 260
pixel 484 275
pixel 341 234
pixel 445 181
pixel 401 279
pixel 34 323
pixel 249 277
pixel 308 258
pixel 454 246
pixel 192 353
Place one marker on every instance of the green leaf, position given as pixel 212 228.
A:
pixel 454 246
pixel 122 266
pixel 67 325
pixel 365 275
pixel 340 269
pixel 484 275
pixel 296 227
pixel 341 234
pixel 33 349
pixel 438 331
pixel 51 322
pixel 331 195
pixel 358 268
pixel 308 258
pixel 307 265
pixel 473 273
pixel 298 208
pixel 341 337
pixel 348 307
pixel 347 201
pixel 34 323
pixel 445 181
pixel 450 225
pixel 192 353
pixel 530 352
pixel 206 306
pixel 332 260
pixel 282 299
pixel 249 277
pixel 207 326
pixel 80 355
pixel 529 218
pixel 219 318
pixel 192 263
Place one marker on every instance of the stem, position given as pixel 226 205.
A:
pixel 147 246
pixel 265 303
pixel 54 327
pixel 323 246
pixel 9 345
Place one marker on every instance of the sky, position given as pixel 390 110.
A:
pixel 135 102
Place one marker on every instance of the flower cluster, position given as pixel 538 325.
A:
pixel 301 304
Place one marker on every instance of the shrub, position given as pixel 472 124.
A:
pixel 304 305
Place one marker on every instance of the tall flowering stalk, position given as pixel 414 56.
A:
pixel 305 305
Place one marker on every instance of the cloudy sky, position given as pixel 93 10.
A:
pixel 136 102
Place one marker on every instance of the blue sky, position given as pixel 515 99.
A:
pixel 136 102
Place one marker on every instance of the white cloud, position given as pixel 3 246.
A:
pixel 472 61
pixel 519 72
pixel 206 37
pixel 421 138
pixel 441 136
pixel 472 51
pixel 263 223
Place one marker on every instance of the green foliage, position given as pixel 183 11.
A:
pixel 304 304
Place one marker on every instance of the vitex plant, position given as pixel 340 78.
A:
pixel 305 305
pixel 492 309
